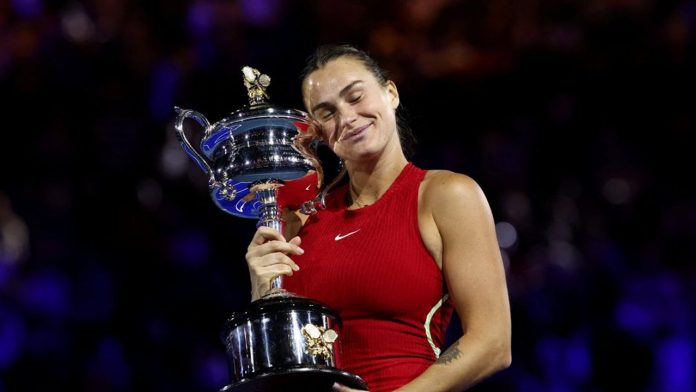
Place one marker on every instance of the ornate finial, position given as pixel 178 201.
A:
pixel 256 84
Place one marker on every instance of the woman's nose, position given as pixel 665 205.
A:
pixel 347 116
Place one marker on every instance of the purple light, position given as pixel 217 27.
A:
pixel 212 370
pixel 260 12
pixel 6 272
pixel 163 87
pixel 109 367
pixel 28 9
pixel 46 292
pixel 12 334
pixel 200 19
pixel 676 364
pixel 190 248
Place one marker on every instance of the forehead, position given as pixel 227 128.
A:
pixel 327 82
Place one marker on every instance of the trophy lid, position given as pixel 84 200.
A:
pixel 258 114
pixel 256 84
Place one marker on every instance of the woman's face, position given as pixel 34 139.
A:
pixel 355 113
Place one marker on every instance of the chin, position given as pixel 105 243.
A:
pixel 362 156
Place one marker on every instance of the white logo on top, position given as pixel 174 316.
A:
pixel 342 236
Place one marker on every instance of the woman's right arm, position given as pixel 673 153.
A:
pixel 267 257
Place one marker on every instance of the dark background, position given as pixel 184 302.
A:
pixel 576 118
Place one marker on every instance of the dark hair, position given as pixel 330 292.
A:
pixel 326 53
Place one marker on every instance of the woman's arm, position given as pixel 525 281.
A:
pixel 458 227
pixel 473 270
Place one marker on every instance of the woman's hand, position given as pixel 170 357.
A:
pixel 342 388
pixel 267 257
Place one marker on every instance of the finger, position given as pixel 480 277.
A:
pixel 342 388
pixel 339 388
pixel 263 282
pixel 273 271
pixel 285 247
pixel 297 241
pixel 271 260
pixel 264 234
pixel 274 247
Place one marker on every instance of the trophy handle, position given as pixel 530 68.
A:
pixel 203 163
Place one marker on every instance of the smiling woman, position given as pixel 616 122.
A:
pixel 396 249
pixel 355 113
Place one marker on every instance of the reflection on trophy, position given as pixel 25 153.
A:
pixel 282 339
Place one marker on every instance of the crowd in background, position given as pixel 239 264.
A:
pixel 117 271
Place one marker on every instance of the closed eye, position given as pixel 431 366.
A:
pixel 325 115
pixel 355 98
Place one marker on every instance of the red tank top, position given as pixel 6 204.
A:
pixel 371 266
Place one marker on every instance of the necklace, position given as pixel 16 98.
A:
pixel 350 200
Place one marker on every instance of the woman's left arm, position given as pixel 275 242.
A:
pixel 463 225
pixel 475 277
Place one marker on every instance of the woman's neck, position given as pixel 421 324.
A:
pixel 369 180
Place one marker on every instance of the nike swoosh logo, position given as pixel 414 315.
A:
pixel 308 187
pixel 340 237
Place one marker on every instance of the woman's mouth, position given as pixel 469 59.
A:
pixel 353 133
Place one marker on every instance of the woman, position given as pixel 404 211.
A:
pixel 396 248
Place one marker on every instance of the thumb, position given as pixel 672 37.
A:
pixel 342 388
pixel 296 241
pixel 339 387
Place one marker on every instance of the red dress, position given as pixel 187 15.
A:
pixel 371 266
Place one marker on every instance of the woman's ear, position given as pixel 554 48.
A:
pixel 393 94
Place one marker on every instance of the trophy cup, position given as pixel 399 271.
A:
pixel 281 340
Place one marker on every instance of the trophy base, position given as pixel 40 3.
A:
pixel 305 379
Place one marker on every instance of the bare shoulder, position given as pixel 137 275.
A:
pixel 444 186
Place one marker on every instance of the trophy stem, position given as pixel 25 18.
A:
pixel 267 194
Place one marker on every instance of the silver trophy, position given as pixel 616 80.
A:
pixel 281 340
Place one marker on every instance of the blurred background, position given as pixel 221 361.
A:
pixel 117 271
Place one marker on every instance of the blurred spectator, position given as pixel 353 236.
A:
pixel 14 234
